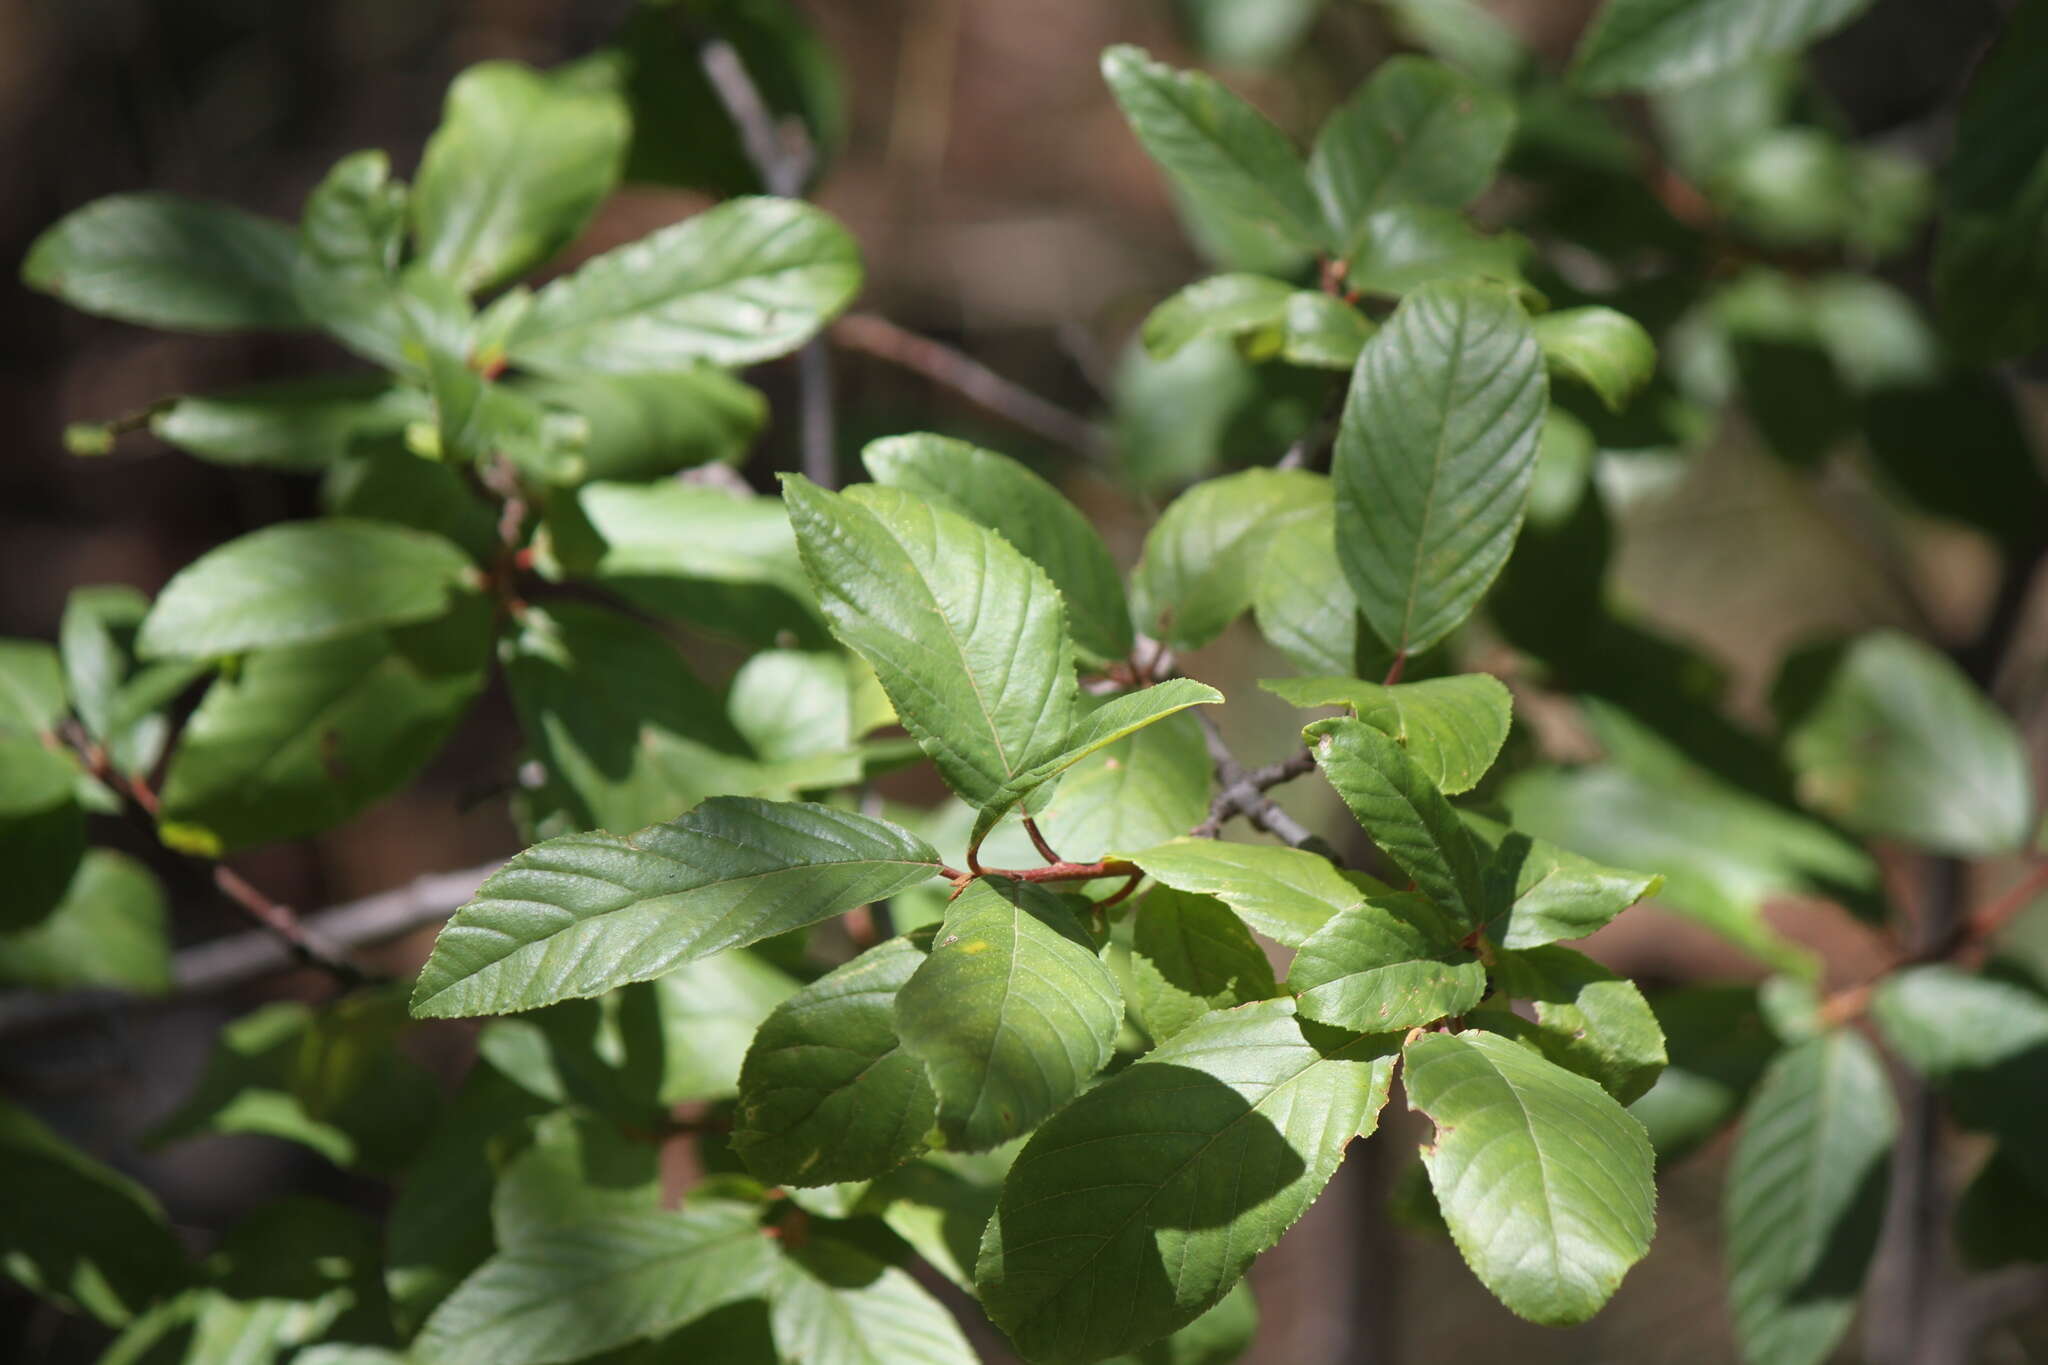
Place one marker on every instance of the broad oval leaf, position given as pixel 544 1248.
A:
pixel 1287 894
pixel 32 695
pixel 1943 1020
pixel 520 162
pixel 1403 812
pixel 1012 1013
pixel 1588 1019
pixel 1416 132
pixel 1806 1197
pixel 167 261
pixel 579 915
pixel 1301 602
pixel 1147 787
pixel 300 583
pixel 1546 1183
pixel 1191 954
pixel 1386 964
pixel 1649 44
pixel 965 634
pixel 1539 893
pixel 1201 562
pixel 301 738
pixel 1608 352
pixel 1106 724
pixel 746 281
pixel 1221 153
pixel 644 426
pixel 300 425
pixel 833 1304
pixel 1137 1207
pixel 1889 737
pixel 1451 727
pixel 42 828
pixel 828 1093
pixel 1434 457
pixel 1025 510
pixel 108 930
pixel 594 1285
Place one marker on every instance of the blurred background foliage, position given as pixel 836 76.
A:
pixel 1798 470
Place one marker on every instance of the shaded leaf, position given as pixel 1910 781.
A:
pixel 1139 1206
pixel 1398 250
pixel 1202 559
pixel 833 1304
pixel 299 424
pixel 1286 894
pixel 1647 44
pixel 599 1284
pixel 108 930
pixel 1302 604
pixel 1588 1019
pixel 1388 963
pixel 1608 352
pixel 1540 893
pixel 32 693
pixel 709 1012
pixel 642 426
pixel 828 1093
pixel 42 829
pixel 1718 1045
pixel 1190 954
pixel 1012 1012
pixel 579 915
pixel 1146 787
pixel 1806 1196
pixel 573 1168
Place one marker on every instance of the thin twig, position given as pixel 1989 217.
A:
pixel 784 159
pixel 1244 793
pixel 972 380
pixel 225 962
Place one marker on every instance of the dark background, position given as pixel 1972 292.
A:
pixel 1002 205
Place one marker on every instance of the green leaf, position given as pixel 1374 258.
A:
pixel 1417 132
pixel 1648 44
pixel 32 694
pixel 1434 457
pixel 167 261
pixel 828 1093
pixel 643 426
pixel 1588 1019
pixel 384 481
pixel 1544 1180
pixel 1104 725
pixel 1025 510
pixel 1404 813
pixel 1143 789
pixel 1887 736
pixel 332 1080
pixel 1398 250
pixel 710 1011
pixel 833 1304
pixel 1137 1207
pixel 1222 305
pixel 1991 259
pixel 574 1168
pixel 1608 352
pixel 579 915
pixel 603 1283
pixel 518 166
pixel 302 738
pixel 743 282
pixel 1806 1197
pixel 1388 963
pixel 1464 33
pixel 108 930
pixel 625 730
pixel 1945 1021
pixel 1011 1013
pixel 1287 894
pixel 1301 602
pixel 1202 560
pixel 1540 893
pixel 1246 35
pixel 1189 955
pixel 1451 727
pixel 1322 331
pixel 301 583
pixel 1206 409
pixel 725 561
pixel 299 425
pixel 118 703
pixel 941 1204
pixel 965 634
pixel 42 829
pixel 78 1232
pixel 1221 153
pixel 351 246
pixel 1218 1337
